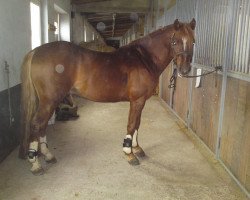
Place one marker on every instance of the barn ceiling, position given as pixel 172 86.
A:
pixel 112 18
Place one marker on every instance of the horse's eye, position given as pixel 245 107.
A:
pixel 193 43
pixel 173 42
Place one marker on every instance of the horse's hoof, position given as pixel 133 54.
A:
pixel 134 161
pixel 38 172
pixel 51 161
pixel 139 152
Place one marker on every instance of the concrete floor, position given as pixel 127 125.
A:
pixel 91 163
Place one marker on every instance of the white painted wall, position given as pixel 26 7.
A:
pixel 15 33
pixel 80 27
pixel 15 38
pixel 48 17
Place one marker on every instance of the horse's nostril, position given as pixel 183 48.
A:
pixel 185 70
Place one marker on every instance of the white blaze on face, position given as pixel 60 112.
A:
pixel 184 40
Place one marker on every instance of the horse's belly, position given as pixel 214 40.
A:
pixel 106 92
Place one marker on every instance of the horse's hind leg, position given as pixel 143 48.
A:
pixel 133 125
pixel 38 125
pixel 48 157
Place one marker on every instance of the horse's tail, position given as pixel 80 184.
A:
pixel 28 104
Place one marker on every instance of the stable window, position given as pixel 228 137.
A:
pixel 35 25
pixel 62 24
pixel 57 27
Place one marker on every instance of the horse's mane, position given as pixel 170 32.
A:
pixel 138 49
pixel 150 35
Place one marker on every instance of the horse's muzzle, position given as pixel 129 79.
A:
pixel 184 70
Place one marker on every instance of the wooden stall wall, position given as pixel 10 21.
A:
pixel 165 91
pixel 205 109
pixel 181 97
pixel 208 114
pixel 235 140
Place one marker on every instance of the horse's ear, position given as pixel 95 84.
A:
pixel 177 24
pixel 193 24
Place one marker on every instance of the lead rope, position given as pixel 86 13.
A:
pixel 216 69
pixel 173 79
pixel 174 76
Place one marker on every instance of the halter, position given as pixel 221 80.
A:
pixel 174 75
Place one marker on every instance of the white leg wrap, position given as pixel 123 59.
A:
pixel 134 142
pixel 127 150
pixel 36 166
pixel 44 149
pixel 33 146
pixel 34 161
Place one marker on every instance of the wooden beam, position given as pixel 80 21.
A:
pixel 115 6
pixel 77 2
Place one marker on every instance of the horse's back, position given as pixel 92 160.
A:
pixel 106 77
pixel 95 75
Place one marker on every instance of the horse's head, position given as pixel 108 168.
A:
pixel 182 42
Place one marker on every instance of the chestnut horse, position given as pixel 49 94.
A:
pixel 130 73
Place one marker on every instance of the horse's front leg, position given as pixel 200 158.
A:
pixel 130 140
pixel 137 150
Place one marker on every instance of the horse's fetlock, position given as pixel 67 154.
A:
pixel 127 144
pixel 32 155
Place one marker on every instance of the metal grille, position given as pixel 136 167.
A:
pixel 185 10
pixel 212 24
pixel 160 22
pixel 170 16
pixel 210 32
pixel 241 38
pixel 211 16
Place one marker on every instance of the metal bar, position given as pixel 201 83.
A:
pixel 244 47
pixel 211 40
pixel 190 90
pixel 233 39
pixel 226 62
pixel 248 46
pixel 247 38
pixel 238 75
pixel 200 39
pixel 221 38
pixel 241 39
pixel 234 178
pixel 7 70
pixel 237 37
pixel 171 90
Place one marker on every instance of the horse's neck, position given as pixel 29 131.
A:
pixel 160 53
